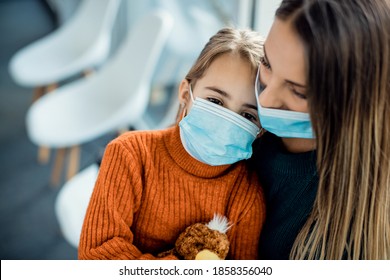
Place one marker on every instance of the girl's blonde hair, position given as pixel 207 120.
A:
pixel 244 42
pixel 347 46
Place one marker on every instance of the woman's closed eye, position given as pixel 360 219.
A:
pixel 300 95
pixel 291 87
pixel 297 93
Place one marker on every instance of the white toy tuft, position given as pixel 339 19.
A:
pixel 219 223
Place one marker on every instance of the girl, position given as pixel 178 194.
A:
pixel 153 184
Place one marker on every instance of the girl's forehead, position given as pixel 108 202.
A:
pixel 232 75
pixel 227 66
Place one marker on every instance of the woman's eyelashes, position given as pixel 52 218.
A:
pixel 265 63
pixel 262 86
pixel 297 93
pixel 300 95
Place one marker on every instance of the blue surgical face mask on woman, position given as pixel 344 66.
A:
pixel 215 135
pixel 283 123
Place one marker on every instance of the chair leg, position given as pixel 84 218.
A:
pixel 58 166
pixel 121 131
pixel 51 87
pixel 43 152
pixel 38 92
pixel 41 91
pixel 74 160
pixel 88 72
pixel 43 155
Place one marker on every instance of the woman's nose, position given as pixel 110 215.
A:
pixel 270 98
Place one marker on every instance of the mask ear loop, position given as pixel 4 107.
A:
pixel 181 113
pixel 183 108
pixel 257 93
pixel 257 81
pixel 191 94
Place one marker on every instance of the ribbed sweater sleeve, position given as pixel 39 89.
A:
pixel 244 237
pixel 117 195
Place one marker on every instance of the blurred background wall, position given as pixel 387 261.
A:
pixel 29 225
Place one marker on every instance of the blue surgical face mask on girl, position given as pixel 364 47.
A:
pixel 283 123
pixel 215 135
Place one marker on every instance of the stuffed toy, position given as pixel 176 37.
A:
pixel 204 241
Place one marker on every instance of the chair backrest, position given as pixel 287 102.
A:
pixel 82 42
pixel 125 81
pixel 113 98
pixel 93 21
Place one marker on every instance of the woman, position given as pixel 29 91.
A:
pixel 324 98
pixel 153 184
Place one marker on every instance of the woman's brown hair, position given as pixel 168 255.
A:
pixel 347 45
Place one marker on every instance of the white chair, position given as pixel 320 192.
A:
pixel 72 201
pixel 80 43
pixel 150 121
pixel 112 99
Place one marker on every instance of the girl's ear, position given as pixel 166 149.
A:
pixel 184 100
pixel 184 94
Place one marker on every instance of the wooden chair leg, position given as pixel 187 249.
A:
pixel 51 87
pixel 38 92
pixel 74 160
pixel 43 155
pixel 88 72
pixel 58 166
pixel 121 131
pixel 43 152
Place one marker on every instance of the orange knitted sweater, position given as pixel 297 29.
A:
pixel 149 189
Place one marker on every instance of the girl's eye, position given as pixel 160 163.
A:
pixel 264 62
pixel 249 116
pixel 215 100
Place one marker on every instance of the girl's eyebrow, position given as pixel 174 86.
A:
pixel 288 81
pixel 225 94
pixel 217 90
pixel 250 106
